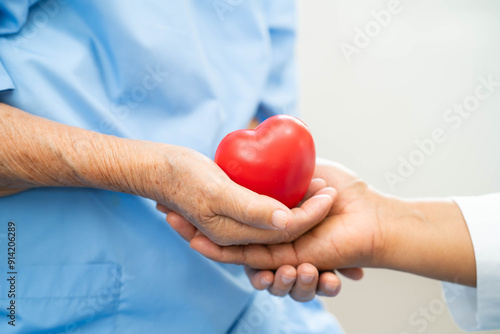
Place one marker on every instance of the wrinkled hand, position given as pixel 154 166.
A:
pixel 226 213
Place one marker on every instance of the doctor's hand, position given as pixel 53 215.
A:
pixel 302 283
pixel 306 281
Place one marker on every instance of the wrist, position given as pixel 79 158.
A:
pixel 397 219
pixel 118 164
pixel 389 212
pixel 428 238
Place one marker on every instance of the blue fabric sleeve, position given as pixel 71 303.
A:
pixel 280 94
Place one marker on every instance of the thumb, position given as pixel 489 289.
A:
pixel 250 208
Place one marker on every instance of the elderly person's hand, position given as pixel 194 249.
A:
pixel 36 152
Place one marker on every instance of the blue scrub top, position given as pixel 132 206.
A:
pixel 179 72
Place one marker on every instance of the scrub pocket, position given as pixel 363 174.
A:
pixel 61 299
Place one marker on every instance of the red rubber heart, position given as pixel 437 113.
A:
pixel 276 159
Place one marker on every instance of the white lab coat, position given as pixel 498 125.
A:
pixel 479 308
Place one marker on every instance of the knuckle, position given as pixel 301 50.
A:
pixel 212 190
pixel 358 188
pixel 214 186
pixel 277 292
pixel 286 236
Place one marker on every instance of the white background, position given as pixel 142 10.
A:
pixel 368 112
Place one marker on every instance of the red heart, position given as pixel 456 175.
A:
pixel 276 159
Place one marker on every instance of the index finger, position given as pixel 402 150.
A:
pixel 255 256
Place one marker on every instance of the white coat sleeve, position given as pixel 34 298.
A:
pixel 479 308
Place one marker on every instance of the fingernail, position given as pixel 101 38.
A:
pixel 280 219
pixel 306 278
pixel 330 288
pixel 264 281
pixel 287 279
